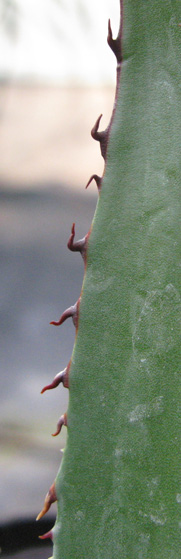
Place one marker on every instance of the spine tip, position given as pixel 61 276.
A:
pixel 70 312
pixel 47 535
pixel 78 246
pixel 49 499
pixel 62 421
pixel 97 180
pixel 115 44
pixel 101 137
pixel 60 377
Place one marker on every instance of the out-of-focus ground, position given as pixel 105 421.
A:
pixel 46 159
pixel 45 135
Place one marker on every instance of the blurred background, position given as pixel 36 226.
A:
pixel 57 75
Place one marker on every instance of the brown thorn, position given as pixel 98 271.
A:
pixel 110 37
pixel 71 238
pixel 78 246
pixel 60 377
pixel 62 421
pixel 94 132
pixel 70 312
pixel 47 535
pixel 114 44
pixel 49 499
pixel 97 180
pixel 101 137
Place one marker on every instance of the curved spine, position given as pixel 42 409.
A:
pixel 62 421
pixel 97 179
pixel 50 498
pixel 101 137
pixel 60 377
pixel 71 312
pixel 48 535
pixel 78 246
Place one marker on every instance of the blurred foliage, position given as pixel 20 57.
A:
pixel 83 13
pixel 9 13
pixel 80 7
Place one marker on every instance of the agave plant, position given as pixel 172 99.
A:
pixel 117 490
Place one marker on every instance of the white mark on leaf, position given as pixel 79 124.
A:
pixel 144 411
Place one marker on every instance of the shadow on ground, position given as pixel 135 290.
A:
pixel 20 540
